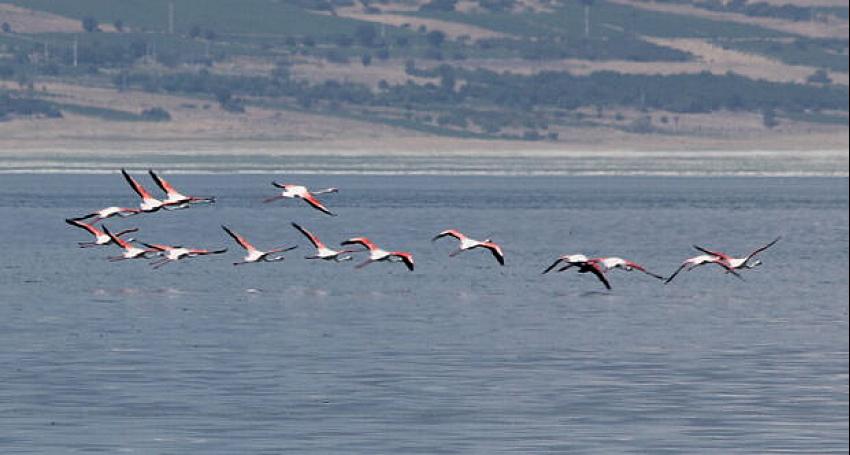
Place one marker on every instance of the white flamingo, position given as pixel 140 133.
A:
pixel 175 253
pixel 130 251
pixel 149 203
pixel 100 237
pixel 740 263
pixel 322 250
pixel 467 243
pixel 377 254
pixel 174 197
pixel 703 259
pixel 613 262
pixel 568 259
pixel 255 255
pixel 583 264
pixel 108 212
pixel 291 191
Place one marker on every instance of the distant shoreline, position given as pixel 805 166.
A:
pixel 513 159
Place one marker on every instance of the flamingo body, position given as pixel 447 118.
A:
pixel 377 254
pixel 467 243
pixel 291 191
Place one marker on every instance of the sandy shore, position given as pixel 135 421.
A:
pixel 423 156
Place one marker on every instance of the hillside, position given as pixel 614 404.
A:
pixel 425 75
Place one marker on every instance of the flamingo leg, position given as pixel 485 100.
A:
pixel 273 198
pixel 363 264
pixel 160 263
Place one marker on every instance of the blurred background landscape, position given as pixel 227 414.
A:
pixel 423 75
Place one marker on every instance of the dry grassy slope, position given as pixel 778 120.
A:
pixel 24 20
pixel 833 28
pixel 202 124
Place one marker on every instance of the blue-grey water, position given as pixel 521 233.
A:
pixel 460 356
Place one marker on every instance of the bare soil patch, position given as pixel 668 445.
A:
pixel 451 29
pixel 830 27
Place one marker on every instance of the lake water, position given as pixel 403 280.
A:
pixel 460 356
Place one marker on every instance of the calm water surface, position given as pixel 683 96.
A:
pixel 460 356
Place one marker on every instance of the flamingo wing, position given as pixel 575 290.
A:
pixel 407 258
pixel 310 236
pixel 163 184
pixel 201 252
pixel 158 247
pixel 449 233
pixel 137 187
pixel 681 267
pixel 92 230
pixel 729 269
pixel 310 199
pixel 495 249
pixel 361 241
pixel 117 239
pixel 759 250
pixel 238 238
pixel 595 269
pixel 554 264
pixel 640 268
pixel 723 256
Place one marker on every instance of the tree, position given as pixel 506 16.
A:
pixel 435 38
pixel 366 34
pixel 366 59
pixel 90 24
pixel 820 76
pixel 195 31
pixel 6 27
pixel 119 25
pixel 439 5
pixel 156 114
pixel 768 118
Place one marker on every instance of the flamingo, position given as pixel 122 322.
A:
pixel 174 197
pixel 108 212
pixel 613 262
pixel 569 259
pixel 584 264
pixel 467 243
pixel 322 250
pixel 100 237
pixel 697 261
pixel 176 253
pixel 255 255
pixel 376 254
pixel 130 251
pixel 299 191
pixel 740 263
pixel 149 203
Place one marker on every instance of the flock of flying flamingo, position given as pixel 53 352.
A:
pixel 161 254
